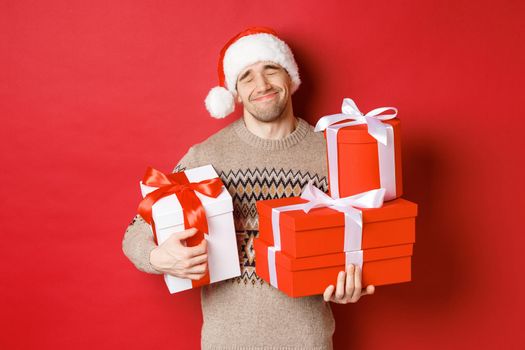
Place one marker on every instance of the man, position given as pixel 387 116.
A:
pixel 268 153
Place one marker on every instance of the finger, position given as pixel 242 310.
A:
pixel 370 289
pixel 328 292
pixel 182 235
pixel 357 285
pixel 195 277
pixel 199 249
pixel 340 288
pixel 197 260
pixel 349 288
pixel 197 269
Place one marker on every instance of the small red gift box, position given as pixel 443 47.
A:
pixel 322 230
pixel 299 277
pixel 363 154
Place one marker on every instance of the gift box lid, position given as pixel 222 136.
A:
pixel 334 259
pixel 167 211
pixel 359 133
pixel 317 218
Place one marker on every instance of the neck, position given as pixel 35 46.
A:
pixel 274 130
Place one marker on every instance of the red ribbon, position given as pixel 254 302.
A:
pixel 193 211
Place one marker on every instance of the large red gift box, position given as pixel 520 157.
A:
pixel 299 277
pixel 322 230
pixel 363 153
pixel 305 241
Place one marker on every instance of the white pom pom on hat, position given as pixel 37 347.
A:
pixel 248 47
pixel 219 102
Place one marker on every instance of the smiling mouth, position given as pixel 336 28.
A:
pixel 265 97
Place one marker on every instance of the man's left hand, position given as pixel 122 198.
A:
pixel 349 288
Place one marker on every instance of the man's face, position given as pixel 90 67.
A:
pixel 264 90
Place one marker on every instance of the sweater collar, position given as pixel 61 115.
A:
pixel 271 145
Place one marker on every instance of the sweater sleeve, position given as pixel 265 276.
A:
pixel 138 243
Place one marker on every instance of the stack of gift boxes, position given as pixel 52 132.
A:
pixel 305 241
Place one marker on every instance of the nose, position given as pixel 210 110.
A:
pixel 261 82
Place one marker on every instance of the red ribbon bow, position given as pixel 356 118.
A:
pixel 178 184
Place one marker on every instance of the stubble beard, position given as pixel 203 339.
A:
pixel 269 113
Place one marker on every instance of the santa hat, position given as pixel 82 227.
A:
pixel 248 47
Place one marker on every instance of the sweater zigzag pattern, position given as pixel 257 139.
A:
pixel 246 186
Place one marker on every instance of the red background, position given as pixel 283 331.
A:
pixel 91 92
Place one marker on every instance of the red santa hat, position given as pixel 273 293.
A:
pixel 248 47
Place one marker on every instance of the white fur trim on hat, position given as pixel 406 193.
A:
pixel 254 48
pixel 219 102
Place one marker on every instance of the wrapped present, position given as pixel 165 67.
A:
pixel 311 275
pixel 364 151
pixel 193 198
pixel 335 227
pixel 304 242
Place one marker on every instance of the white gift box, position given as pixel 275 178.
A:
pixel 223 256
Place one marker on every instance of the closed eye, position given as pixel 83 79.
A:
pixel 271 69
pixel 245 76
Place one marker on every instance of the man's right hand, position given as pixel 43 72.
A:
pixel 174 258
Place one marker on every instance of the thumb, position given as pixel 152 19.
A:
pixel 328 292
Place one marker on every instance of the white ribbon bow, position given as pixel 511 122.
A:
pixel 348 206
pixel 318 199
pixel 350 111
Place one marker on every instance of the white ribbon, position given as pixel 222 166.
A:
pixel 353 230
pixel 354 258
pixel 382 132
pixel 276 212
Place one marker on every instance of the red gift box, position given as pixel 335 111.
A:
pixel 363 154
pixel 299 277
pixel 322 230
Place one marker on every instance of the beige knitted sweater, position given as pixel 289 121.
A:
pixel 246 312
